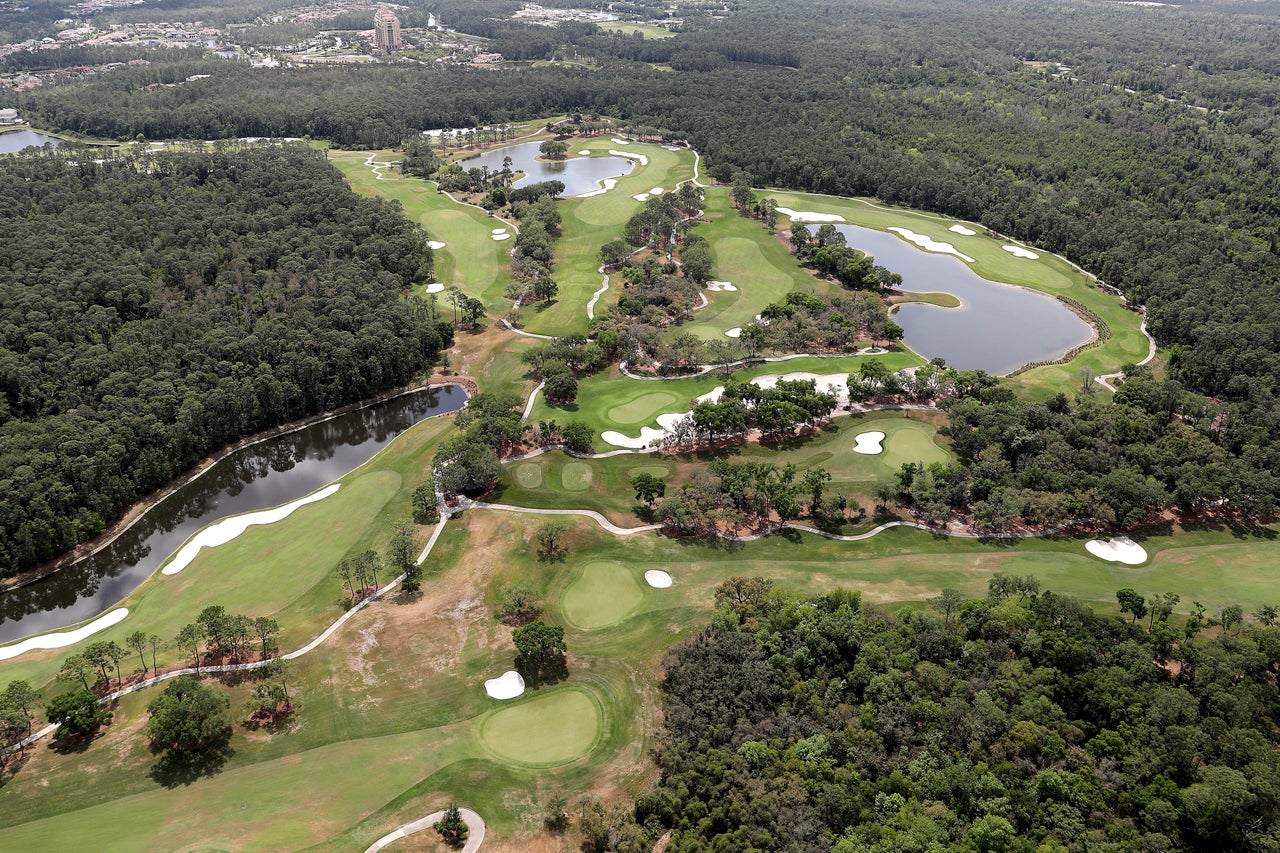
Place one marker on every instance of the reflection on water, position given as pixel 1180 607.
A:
pixel 16 140
pixel 263 475
pixel 998 328
pixel 579 174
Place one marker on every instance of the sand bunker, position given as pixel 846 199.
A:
pixel 718 286
pixel 435 244
pixel 869 443
pixel 809 216
pixel 606 185
pixel 1121 549
pixel 617 141
pixel 929 244
pixel 584 153
pixel 502 236
pixel 657 579
pixel 435 287
pixel 499 231
pixel 509 685
pixel 960 229
pixel 735 332
pixel 639 158
pixel 641 196
pixel 64 638
pixel 222 532
pixel 672 147
pixel 1019 252
pixel 657 191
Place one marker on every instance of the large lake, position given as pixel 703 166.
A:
pixel 998 327
pixel 15 140
pixel 579 174
pixel 262 475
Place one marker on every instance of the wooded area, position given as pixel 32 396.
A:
pixel 152 312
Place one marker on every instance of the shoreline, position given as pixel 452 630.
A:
pixel 139 509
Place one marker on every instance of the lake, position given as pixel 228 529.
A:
pixel 998 327
pixel 12 141
pixel 267 474
pixel 579 174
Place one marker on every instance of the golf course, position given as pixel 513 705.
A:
pixel 392 720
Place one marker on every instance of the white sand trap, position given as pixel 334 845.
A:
pixel 673 147
pixel 869 443
pixel 617 141
pixel 435 287
pixel 222 532
pixel 509 685
pixel 606 185
pixel 648 435
pixel 502 236
pixel 809 216
pixel 641 196
pixel 657 579
pixel 657 191
pixel 499 231
pixel 1121 549
pixel 1019 252
pixel 584 153
pixel 717 286
pixel 435 244
pixel 735 332
pixel 65 638
pixel 929 244
pixel 961 230
pixel 639 158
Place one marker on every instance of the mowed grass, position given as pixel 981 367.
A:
pixel 612 401
pixel 1049 274
pixel 589 223
pixel 604 593
pixel 750 257
pixel 909 437
pixel 550 727
pixel 471 260
pixel 649 31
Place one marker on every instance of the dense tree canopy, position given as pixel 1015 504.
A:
pixel 152 311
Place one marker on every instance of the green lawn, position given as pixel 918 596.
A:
pixel 589 223
pixel 1049 274
pixel 649 31
pixel 604 593
pixel 549 727
pixel 611 401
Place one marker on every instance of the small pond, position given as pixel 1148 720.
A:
pixel 998 327
pixel 263 475
pixel 12 141
pixel 579 174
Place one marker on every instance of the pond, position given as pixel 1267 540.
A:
pixel 267 474
pixel 998 327
pixel 12 141
pixel 579 174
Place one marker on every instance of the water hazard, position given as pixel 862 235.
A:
pixel 579 174
pixel 998 327
pixel 263 475
pixel 15 140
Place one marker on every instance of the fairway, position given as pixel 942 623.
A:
pixel 576 476
pixel 552 727
pixel 640 409
pixel 604 593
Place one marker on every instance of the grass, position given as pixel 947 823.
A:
pixel 753 260
pixel 471 260
pixel 548 728
pixel 649 31
pixel 589 223
pixel 1050 274
pixel 611 401
pixel 604 593
pixel 942 300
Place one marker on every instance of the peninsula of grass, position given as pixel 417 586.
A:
pixel 942 300
pixel 612 401
pixel 1048 274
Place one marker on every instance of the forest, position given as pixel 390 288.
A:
pixel 153 311
pixel 1022 721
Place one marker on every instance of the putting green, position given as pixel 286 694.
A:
pixel 654 470
pixel 528 475
pixel 603 594
pixel 551 727
pixel 642 409
pixel 576 476
pixel 908 441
